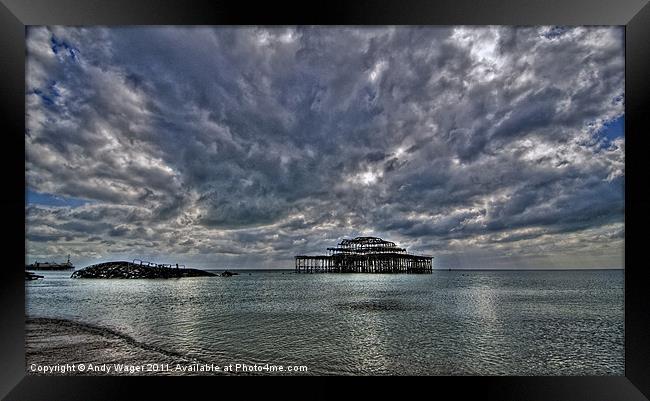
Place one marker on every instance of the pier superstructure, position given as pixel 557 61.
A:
pixel 364 255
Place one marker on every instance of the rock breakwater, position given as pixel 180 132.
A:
pixel 124 269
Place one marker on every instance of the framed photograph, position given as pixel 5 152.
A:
pixel 449 190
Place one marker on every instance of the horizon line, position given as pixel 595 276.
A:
pixel 448 269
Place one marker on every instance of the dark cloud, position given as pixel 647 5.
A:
pixel 249 145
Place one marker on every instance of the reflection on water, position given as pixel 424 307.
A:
pixel 504 323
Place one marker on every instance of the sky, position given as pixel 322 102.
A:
pixel 240 147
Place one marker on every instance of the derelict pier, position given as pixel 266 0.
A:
pixel 365 255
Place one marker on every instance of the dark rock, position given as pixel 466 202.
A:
pixel 129 270
pixel 32 276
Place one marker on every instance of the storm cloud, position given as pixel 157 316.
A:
pixel 244 146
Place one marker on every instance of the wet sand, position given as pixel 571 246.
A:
pixel 56 342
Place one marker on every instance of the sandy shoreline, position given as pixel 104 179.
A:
pixel 55 342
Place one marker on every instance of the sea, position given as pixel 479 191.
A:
pixel 568 322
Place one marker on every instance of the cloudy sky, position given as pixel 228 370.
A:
pixel 491 147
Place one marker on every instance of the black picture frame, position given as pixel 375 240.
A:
pixel 633 14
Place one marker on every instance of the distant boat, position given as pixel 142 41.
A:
pixel 50 266
pixel 32 276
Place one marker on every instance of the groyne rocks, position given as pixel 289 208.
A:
pixel 123 269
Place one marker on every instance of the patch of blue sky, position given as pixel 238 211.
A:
pixel 63 46
pixel 605 135
pixel 48 95
pixel 45 199
pixel 612 130
pixel 54 91
pixel 555 32
pixel 46 98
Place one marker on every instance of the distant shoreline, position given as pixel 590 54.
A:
pixel 435 269
pixel 554 269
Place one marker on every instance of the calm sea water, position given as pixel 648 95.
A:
pixel 448 322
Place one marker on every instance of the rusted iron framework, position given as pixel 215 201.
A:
pixel 365 255
pixel 153 264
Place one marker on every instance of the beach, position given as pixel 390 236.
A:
pixel 55 342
